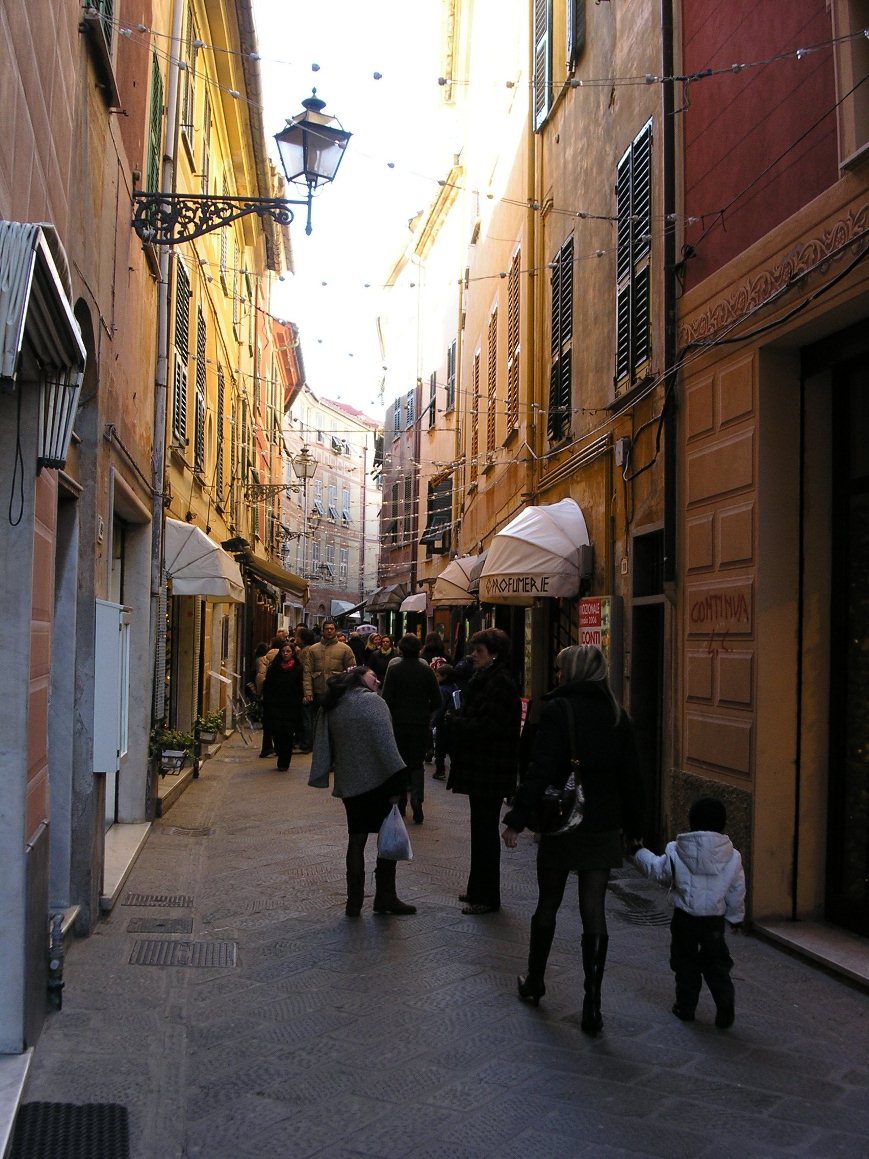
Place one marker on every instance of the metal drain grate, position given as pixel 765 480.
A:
pixel 155 952
pixel 160 926
pixel 71 1131
pixel 169 901
pixel 195 831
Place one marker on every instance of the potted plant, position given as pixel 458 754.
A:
pixel 210 725
pixel 173 747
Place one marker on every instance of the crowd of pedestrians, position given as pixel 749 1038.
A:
pixel 374 714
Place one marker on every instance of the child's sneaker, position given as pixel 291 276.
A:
pixel 682 1013
pixel 724 1017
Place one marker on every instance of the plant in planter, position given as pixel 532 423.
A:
pixel 210 725
pixel 172 746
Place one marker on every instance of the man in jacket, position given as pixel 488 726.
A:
pixel 328 657
pixel 411 691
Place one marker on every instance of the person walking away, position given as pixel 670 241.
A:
pixel 611 782
pixel 378 660
pixel 410 690
pixel 353 738
pixel 442 721
pixel 282 701
pixel 304 639
pixel 707 886
pixel 357 647
pixel 267 749
pixel 328 657
pixel 433 648
pixel 484 762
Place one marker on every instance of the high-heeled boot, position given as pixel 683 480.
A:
pixel 355 874
pixel 594 947
pixel 531 987
pixel 386 900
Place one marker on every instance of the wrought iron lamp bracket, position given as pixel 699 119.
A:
pixel 173 218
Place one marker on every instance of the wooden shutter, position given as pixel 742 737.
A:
pixel 542 80
pixel 475 417
pixel 155 128
pixel 513 333
pixel 492 383
pixel 560 392
pixel 199 417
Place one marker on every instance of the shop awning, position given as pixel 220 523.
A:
pixel 452 587
pixel 535 556
pixel 414 603
pixel 387 599
pixel 286 580
pixel 34 295
pixel 476 571
pixel 340 608
pixel 197 566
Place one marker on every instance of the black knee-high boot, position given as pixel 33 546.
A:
pixel 531 987
pixel 386 900
pixel 355 874
pixel 594 947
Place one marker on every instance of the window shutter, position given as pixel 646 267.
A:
pixel 513 333
pixel 575 31
pixel 641 193
pixel 542 61
pixel 221 391
pixel 492 382
pixel 560 394
pixel 155 127
pixel 475 417
pixel 640 319
pixel 160 660
pixel 199 418
pixel 633 250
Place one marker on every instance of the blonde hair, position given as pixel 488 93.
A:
pixel 587 662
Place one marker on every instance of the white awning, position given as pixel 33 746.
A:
pixel 197 566
pixel 452 587
pixel 535 556
pixel 414 603
pixel 34 295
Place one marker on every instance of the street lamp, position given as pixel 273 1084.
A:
pixel 311 147
pixel 305 467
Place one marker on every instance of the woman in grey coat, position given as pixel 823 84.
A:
pixel 353 739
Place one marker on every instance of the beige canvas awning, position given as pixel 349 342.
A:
pixel 452 587
pixel 535 556
pixel 414 603
pixel 197 566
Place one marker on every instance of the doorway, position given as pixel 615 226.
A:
pixel 847 901
pixel 647 670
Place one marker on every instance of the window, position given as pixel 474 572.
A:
pixel 199 416
pixel 318 497
pixel 315 555
pixel 155 128
pixel 561 345
pixel 408 506
pixel 513 345
pixel 451 376
pixel 343 558
pixel 205 150
pixel 633 251
pixel 221 415
pixel 575 31
pixel 475 420
pixel 333 501
pixel 396 418
pixel 409 403
pixel 439 515
pixel 542 78
pixel 492 382
pixel 345 505
pixel 850 18
pixel 330 558
pixel 189 52
pixel 392 531
pixel 431 410
pixel 182 354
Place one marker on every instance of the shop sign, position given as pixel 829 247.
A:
pixel 595 622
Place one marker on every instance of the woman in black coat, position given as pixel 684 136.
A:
pixel 484 761
pixel 613 810
pixel 282 702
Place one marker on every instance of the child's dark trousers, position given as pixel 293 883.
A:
pixel 698 953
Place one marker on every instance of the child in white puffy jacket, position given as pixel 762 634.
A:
pixel 707 887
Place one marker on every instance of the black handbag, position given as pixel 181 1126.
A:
pixel 561 810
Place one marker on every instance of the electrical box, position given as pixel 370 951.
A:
pixel 622 449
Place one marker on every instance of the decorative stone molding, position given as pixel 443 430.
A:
pixel 807 257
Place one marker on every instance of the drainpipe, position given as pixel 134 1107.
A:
pixel 669 289
pixel 801 605
pixel 161 369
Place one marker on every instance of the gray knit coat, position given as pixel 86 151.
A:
pixel 354 740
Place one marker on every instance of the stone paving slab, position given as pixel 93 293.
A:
pixel 401 1037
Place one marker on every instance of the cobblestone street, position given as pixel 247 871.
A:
pixel 233 1008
